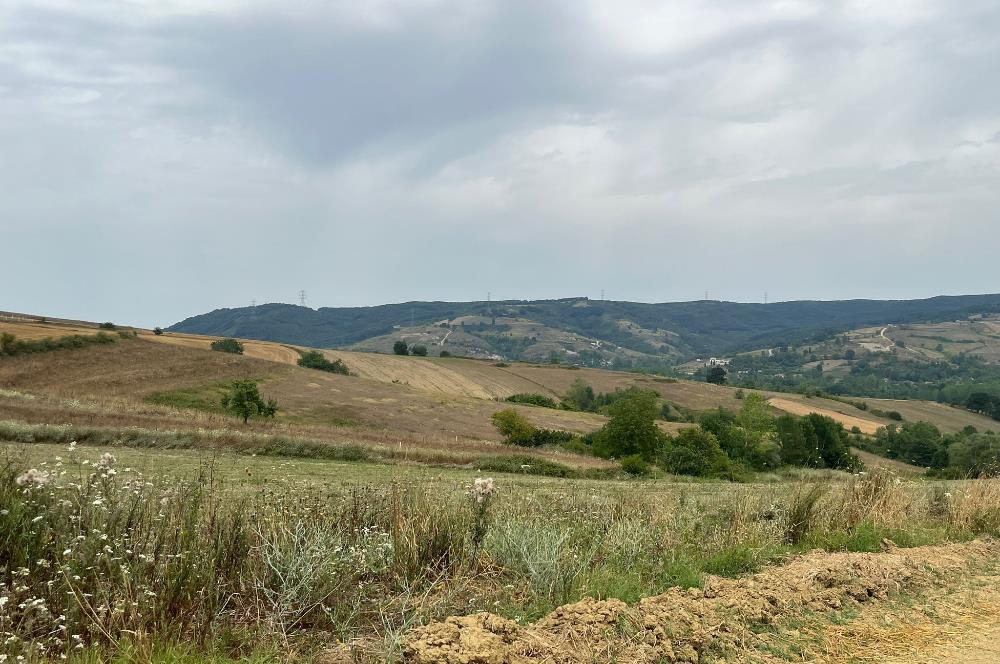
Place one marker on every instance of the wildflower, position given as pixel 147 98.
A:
pixel 107 460
pixel 482 488
pixel 72 446
pixel 33 477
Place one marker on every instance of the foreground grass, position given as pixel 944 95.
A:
pixel 183 556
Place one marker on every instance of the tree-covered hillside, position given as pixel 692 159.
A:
pixel 670 330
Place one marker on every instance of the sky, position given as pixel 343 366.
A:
pixel 163 159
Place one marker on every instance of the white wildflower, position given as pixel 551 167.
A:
pixel 483 488
pixel 33 477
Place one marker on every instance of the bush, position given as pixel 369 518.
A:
pixel 533 399
pixel 228 346
pixel 420 351
pixel 515 428
pixel 243 400
pixel 631 429
pixel 696 452
pixel 108 326
pixel 527 465
pixel 10 345
pixel 635 466
pixel 314 359
pixel 158 331
pixel 444 353
pixel 399 348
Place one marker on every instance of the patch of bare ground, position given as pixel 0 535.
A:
pixel 718 621
pixel 953 622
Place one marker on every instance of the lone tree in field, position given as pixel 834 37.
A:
pixel 228 346
pixel 716 376
pixel 244 400
pixel 157 331
pixel 419 350
pixel 399 348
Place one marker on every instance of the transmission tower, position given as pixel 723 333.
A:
pixel 302 298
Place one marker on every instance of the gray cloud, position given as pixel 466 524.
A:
pixel 160 162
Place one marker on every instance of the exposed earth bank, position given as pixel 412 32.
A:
pixel 719 622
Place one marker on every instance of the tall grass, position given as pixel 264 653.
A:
pixel 96 558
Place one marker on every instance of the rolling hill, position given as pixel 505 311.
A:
pixel 578 330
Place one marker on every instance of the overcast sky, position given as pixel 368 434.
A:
pixel 162 159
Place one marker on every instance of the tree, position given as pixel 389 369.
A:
pixel 695 452
pixel 419 350
pixel 243 400
pixel 580 396
pixel 796 449
pixel 228 346
pixel 399 348
pixel 631 429
pixel 716 376
pixel 444 353
pixel 157 331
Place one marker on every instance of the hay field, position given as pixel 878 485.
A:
pixel 849 421
pixel 37 330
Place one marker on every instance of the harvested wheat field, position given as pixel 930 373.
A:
pixel 849 421
pixel 688 625
pixel 262 350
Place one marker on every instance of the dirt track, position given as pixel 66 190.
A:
pixel 720 621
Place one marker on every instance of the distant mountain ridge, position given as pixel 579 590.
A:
pixel 524 329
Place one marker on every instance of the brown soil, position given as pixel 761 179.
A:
pixel 687 625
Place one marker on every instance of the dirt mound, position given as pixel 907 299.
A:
pixel 682 625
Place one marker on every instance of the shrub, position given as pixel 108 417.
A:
pixel 696 452
pixel 444 353
pixel 228 346
pixel 635 465
pixel 108 326
pixel 10 345
pixel 420 351
pixel 243 400
pixel 515 428
pixel 631 429
pixel 533 400
pixel 314 359
pixel 400 348
pixel 158 331
pixel 527 465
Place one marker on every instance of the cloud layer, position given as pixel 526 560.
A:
pixel 159 163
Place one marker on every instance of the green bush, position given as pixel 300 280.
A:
pixel 515 428
pixel 526 465
pixel 444 353
pixel 228 346
pixel 635 466
pixel 420 351
pixel 314 359
pixel 400 348
pixel 158 331
pixel 533 399
pixel 631 429
pixel 243 400
pixel 108 326
pixel 696 452
pixel 11 346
